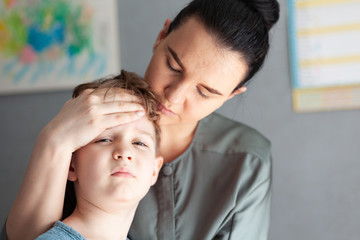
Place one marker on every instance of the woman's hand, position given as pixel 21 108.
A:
pixel 83 118
pixel 40 200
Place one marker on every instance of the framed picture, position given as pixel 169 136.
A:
pixel 57 44
pixel 324 45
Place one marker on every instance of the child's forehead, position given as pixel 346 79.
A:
pixel 140 126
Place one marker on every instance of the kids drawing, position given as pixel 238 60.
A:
pixel 56 44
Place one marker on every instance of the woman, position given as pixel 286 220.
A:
pixel 215 183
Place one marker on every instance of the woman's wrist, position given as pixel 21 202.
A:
pixel 50 137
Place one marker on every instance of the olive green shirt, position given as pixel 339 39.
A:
pixel 219 188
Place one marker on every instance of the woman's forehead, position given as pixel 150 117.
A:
pixel 192 41
pixel 202 56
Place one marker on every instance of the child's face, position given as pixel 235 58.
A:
pixel 120 163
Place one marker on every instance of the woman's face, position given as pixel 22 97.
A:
pixel 192 74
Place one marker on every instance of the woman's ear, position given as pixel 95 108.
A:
pixel 72 173
pixel 162 34
pixel 237 91
pixel 157 166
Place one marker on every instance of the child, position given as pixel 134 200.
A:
pixel 112 173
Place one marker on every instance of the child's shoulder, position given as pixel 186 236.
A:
pixel 61 231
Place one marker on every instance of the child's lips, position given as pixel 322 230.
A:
pixel 122 172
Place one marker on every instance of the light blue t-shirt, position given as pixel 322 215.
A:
pixel 61 231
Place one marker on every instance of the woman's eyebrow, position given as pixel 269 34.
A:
pixel 176 57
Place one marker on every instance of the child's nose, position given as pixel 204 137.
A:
pixel 118 156
pixel 122 155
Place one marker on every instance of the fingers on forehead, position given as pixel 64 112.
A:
pixel 119 94
pixel 87 91
pixel 113 94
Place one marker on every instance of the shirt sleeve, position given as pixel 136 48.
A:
pixel 251 220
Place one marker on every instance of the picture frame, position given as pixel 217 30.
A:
pixel 56 45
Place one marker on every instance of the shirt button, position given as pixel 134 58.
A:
pixel 167 170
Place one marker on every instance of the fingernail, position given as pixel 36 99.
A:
pixel 140 113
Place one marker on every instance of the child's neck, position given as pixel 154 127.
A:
pixel 93 222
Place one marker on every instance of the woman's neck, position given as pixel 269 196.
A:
pixel 95 223
pixel 175 139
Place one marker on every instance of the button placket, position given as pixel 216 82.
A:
pixel 165 199
pixel 167 170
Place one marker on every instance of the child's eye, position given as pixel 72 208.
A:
pixel 139 143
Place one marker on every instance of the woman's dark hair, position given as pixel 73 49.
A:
pixel 129 81
pixel 239 25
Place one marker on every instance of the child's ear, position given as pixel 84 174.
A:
pixel 72 174
pixel 157 166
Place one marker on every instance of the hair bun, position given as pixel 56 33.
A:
pixel 269 9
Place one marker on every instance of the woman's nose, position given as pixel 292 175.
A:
pixel 175 93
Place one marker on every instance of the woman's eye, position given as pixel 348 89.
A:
pixel 171 67
pixel 140 144
pixel 103 140
pixel 201 93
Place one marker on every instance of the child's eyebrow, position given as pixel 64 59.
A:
pixel 151 135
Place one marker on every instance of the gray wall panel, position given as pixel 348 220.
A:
pixel 316 156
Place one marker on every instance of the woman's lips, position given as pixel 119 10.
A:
pixel 166 111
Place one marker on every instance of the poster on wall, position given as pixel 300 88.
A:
pixel 57 44
pixel 325 54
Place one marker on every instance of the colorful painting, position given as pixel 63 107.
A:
pixel 56 44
